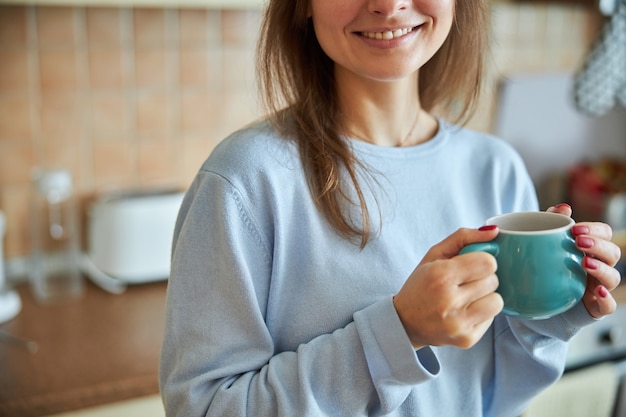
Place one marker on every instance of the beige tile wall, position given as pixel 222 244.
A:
pixel 540 37
pixel 138 97
pixel 122 98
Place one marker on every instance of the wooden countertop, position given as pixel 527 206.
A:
pixel 99 349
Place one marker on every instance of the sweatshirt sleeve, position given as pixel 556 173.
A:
pixel 218 355
pixel 533 351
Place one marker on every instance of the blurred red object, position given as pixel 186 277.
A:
pixel 591 185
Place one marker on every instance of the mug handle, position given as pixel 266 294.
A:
pixel 489 247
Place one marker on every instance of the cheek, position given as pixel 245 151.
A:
pixel 331 17
pixel 435 7
pixel 441 11
pixel 330 33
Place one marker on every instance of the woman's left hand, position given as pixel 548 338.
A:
pixel 601 256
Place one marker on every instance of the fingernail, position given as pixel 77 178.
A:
pixel 590 263
pixel 603 292
pixel 563 205
pixel 585 242
pixel 488 227
pixel 580 230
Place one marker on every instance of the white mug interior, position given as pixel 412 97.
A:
pixel 532 222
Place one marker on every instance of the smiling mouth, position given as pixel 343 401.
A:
pixel 387 35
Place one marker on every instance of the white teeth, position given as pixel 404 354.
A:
pixel 387 35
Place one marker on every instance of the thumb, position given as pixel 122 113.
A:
pixel 452 245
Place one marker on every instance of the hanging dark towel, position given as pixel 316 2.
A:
pixel 602 79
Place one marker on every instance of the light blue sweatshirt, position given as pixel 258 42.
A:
pixel 271 313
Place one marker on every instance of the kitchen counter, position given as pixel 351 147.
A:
pixel 99 349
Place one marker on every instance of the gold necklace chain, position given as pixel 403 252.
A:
pixel 408 136
pixel 403 141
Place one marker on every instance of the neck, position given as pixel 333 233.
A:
pixel 384 113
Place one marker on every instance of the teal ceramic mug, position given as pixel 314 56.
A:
pixel 539 266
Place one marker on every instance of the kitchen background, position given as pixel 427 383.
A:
pixel 120 97
pixel 127 97
pixel 136 98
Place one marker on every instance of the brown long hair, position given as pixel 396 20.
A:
pixel 299 92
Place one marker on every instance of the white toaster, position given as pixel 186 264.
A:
pixel 130 236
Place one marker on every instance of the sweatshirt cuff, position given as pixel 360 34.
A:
pixel 388 350
pixel 563 326
pixel 578 317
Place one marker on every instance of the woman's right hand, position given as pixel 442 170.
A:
pixel 450 299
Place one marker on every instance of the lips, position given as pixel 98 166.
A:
pixel 388 34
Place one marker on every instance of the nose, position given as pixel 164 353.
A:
pixel 387 7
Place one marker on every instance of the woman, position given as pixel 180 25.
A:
pixel 315 267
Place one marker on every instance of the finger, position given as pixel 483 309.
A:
pixel 471 335
pixel 606 303
pixel 599 302
pixel 486 308
pixel 595 229
pixel 452 245
pixel 604 250
pixel 449 275
pixel 476 289
pixel 477 318
pixel 476 266
pixel 562 208
pixel 602 273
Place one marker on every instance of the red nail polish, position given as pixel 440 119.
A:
pixel 487 227
pixel 603 292
pixel 585 242
pixel 590 263
pixel 578 229
pixel 563 205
